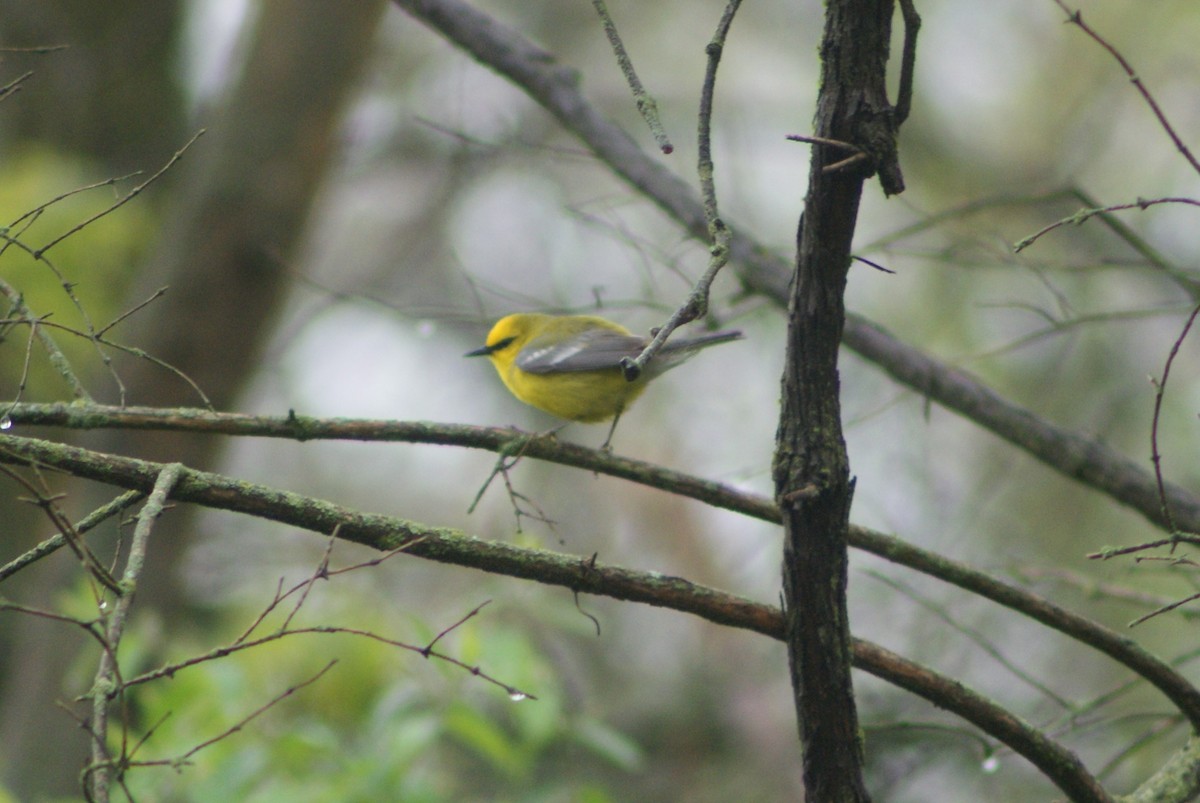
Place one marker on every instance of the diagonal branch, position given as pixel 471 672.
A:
pixel 1077 456
pixel 107 684
pixel 452 546
pixel 1115 645
pixel 1061 766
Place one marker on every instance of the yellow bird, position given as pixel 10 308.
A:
pixel 570 365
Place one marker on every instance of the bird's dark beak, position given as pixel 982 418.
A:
pixel 482 351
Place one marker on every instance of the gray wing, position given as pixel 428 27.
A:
pixel 594 350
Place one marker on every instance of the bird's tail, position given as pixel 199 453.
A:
pixel 698 342
pixel 677 350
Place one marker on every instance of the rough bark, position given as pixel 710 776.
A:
pixel 812 469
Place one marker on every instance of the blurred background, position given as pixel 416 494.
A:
pixel 366 200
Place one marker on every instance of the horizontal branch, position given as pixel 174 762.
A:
pixel 304 428
pixel 1125 651
pixel 447 545
pixel 387 533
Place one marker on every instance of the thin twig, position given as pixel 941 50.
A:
pixel 1083 215
pixel 833 143
pixel 129 196
pixel 1161 726
pixel 1115 552
pixel 68 288
pixel 58 540
pixel 243 722
pixel 1160 392
pixel 506 460
pixel 26 361
pixel 646 104
pixel 46 502
pixel 14 86
pixel 874 265
pixel 908 60
pixel 133 351
pixel 323 570
pixel 221 652
pixel 696 305
pixel 847 163
pixel 11 237
pixel 1164 609
pixel 57 358
pixel 428 650
pixel 88 626
pixel 36 212
pixel 1092 588
pixel 166 366
pixel 37 50
pixel 1076 18
pixel 322 573
pixel 157 294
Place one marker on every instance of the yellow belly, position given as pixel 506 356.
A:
pixel 587 396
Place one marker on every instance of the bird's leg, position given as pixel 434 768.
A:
pixel 607 445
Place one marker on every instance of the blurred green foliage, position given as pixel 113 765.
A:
pixel 382 724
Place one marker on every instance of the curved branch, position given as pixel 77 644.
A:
pixel 447 545
pixel 1122 649
pixel 1174 686
pixel 1058 764
pixel 388 533
pixel 303 428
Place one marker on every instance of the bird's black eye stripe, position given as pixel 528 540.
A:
pixel 500 345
